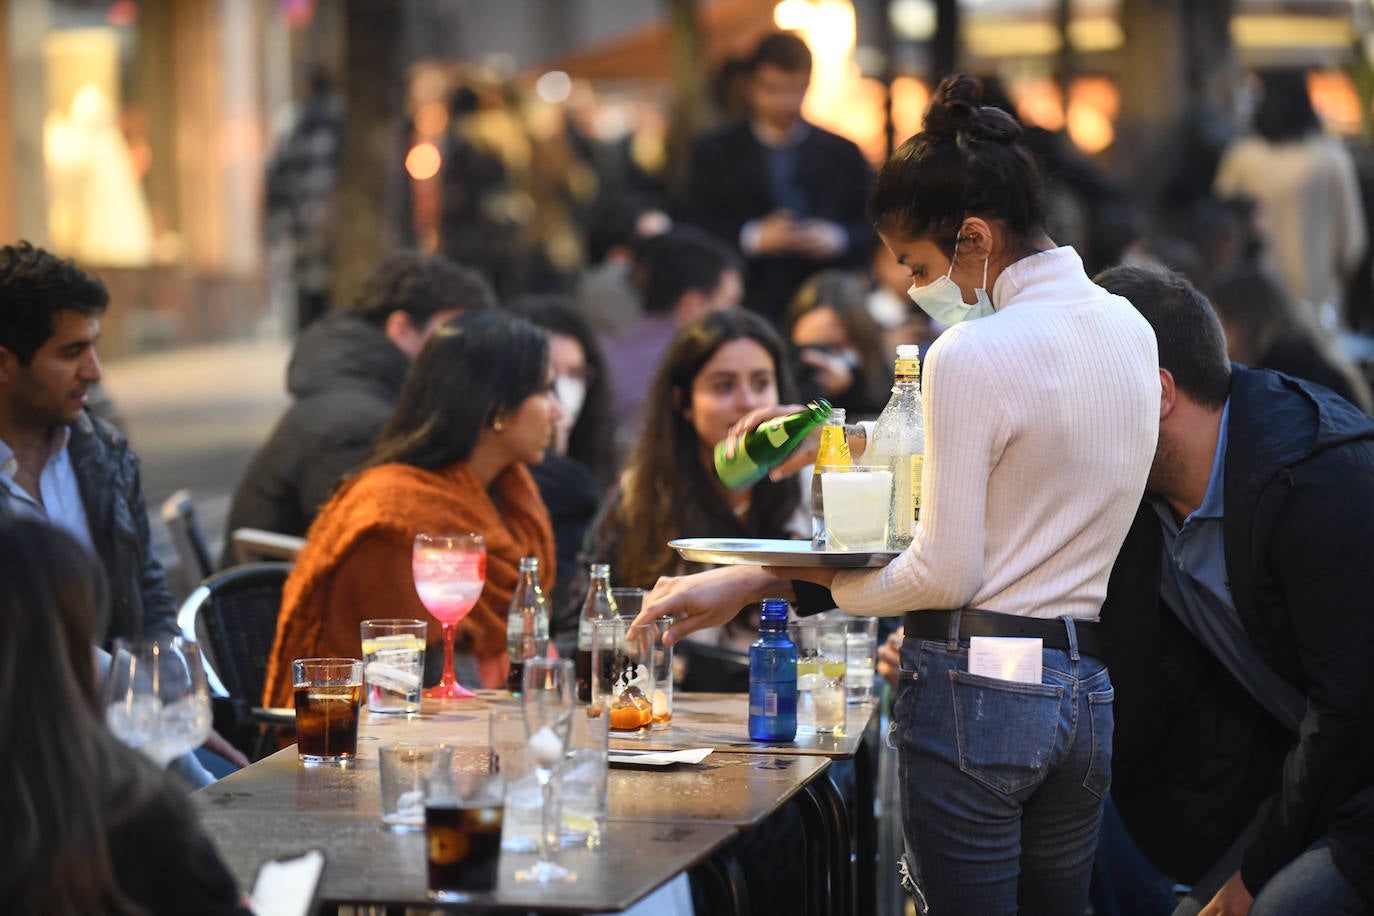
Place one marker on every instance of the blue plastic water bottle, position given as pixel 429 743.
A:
pixel 773 677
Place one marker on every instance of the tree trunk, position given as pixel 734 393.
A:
pixel 689 102
pixel 373 87
pixel 944 51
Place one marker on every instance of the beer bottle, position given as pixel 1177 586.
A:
pixel 834 451
pixel 527 623
pixel 773 677
pixel 764 447
pixel 899 443
pixel 600 605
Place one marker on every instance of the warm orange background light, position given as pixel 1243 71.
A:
pixel 422 162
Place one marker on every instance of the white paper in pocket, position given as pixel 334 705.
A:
pixel 1007 658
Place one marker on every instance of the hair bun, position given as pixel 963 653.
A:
pixel 955 108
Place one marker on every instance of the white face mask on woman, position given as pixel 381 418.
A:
pixel 942 299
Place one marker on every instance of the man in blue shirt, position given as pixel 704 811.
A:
pixel 1241 629
pixel 57 462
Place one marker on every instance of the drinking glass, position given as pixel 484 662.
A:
pixel 394 664
pixel 547 696
pixel 861 651
pixel 155 697
pixel 820 675
pixel 622 675
pixel 858 499
pixel 462 833
pixel 404 769
pixel 450 570
pixel 629 601
pixel 329 692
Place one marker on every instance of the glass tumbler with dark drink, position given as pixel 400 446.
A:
pixel 462 834
pixel 328 694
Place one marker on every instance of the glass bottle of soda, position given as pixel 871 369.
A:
pixel 527 623
pixel 834 452
pixel 765 446
pixel 899 443
pixel 600 605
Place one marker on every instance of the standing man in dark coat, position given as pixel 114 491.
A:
pixel 345 376
pixel 1241 624
pixel 58 463
pixel 790 195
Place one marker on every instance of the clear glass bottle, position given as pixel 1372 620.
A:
pixel 899 443
pixel 773 677
pixel 764 447
pixel 527 623
pixel 834 451
pixel 599 605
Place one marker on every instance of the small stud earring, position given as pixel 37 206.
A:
pixel 498 425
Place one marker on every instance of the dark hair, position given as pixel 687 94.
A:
pixel 614 223
pixel 1259 313
pixel 34 286
pixel 592 440
pixel 472 369
pixel 65 776
pixel 1192 345
pixel 421 285
pixel 845 294
pixel 668 491
pixel 784 50
pixel 1285 109
pixel 966 161
pixel 680 261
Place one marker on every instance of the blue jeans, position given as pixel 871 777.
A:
pixel 1002 782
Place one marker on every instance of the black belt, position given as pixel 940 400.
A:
pixel 973 622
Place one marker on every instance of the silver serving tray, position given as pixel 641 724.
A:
pixel 771 552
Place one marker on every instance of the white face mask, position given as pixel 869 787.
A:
pixel 572 394
pixel 942 299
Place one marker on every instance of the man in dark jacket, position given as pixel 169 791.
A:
pixel 790 195
pixel 1241 628
pixel 58 463
pixel 345 375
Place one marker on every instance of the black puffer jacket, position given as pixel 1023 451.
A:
pixel 345 376
pixel 112 494
pixel 1194 753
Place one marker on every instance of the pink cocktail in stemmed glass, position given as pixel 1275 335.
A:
pixel 450 570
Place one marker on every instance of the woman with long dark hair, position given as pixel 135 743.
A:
pixel 89 825
pixel 477 407
pixel 839 346
pixel 1041 404
pixel 716 370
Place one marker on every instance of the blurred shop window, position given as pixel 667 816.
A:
pixel 97 210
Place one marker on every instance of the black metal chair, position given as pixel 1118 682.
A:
pixel 233 615
pixel 188 542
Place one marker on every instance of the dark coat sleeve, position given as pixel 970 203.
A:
pixel 159 610
pixel 1320 558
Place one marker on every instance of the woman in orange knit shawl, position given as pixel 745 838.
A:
pixel 477 406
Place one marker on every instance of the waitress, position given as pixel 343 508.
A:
pixel 1042 409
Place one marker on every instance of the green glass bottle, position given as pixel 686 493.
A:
pixel 764 447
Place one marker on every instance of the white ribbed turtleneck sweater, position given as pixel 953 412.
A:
pixel 1041 422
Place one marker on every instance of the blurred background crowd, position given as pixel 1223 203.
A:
pixel 237 172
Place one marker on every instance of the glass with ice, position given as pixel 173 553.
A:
pixel 623 676
pixel 820 675
pixel 394 664
pixel 449 572
pixel 155 697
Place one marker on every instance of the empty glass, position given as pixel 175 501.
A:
pixel 403 769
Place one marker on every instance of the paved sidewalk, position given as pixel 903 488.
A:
pixel 195 416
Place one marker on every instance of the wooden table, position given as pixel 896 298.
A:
pixel 663 822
